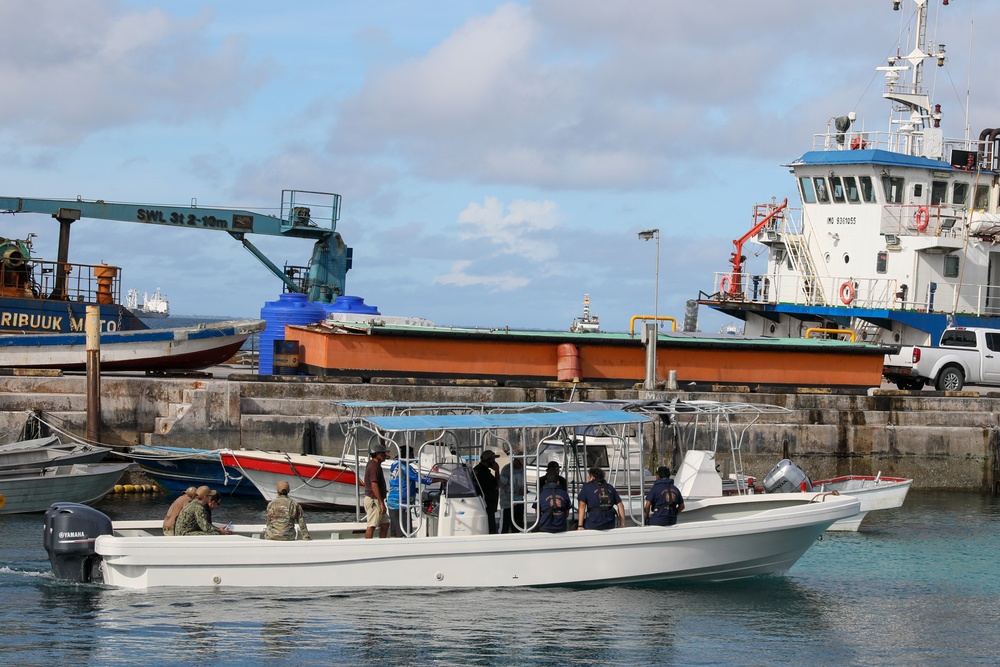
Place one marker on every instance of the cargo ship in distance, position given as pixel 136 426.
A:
pixel 152 305
pixel 898 234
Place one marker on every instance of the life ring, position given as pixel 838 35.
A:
pixel 847 293
pixel 858 143
pixel 922 217
pixel 725 284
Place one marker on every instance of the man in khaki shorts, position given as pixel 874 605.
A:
pixel 375 490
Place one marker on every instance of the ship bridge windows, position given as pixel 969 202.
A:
pixel 982 200
pixel 960 194
pixel 822 194
pixel 851 189
pixel 939 192
pixel 867 189
pixel 808 193
pixel 892 187
pixel 838 189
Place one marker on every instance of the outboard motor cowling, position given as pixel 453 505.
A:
pixel 786 477
pixel 70 532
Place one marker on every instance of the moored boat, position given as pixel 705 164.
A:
pixel 313 480
pixel 50 451
pixel 35 489
pixel 184 348
pixel 177 468
pixel 716 539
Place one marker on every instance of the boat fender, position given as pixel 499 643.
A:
pixel 847 293
pixel 922 217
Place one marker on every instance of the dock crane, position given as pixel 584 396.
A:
pixel 304 214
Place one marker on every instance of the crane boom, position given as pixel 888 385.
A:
pixel 327 270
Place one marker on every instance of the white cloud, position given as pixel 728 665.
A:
pixel 460 277
pixel 514 232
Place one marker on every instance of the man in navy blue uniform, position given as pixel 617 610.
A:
pixel 601 507
pixel 663 501
pixel 553 502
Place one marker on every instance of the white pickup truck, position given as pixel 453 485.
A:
pixel 965 355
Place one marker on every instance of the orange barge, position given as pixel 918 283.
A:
pixel 377 350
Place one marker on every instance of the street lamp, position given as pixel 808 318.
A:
pixel 645 236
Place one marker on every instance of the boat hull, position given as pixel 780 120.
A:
pixel 312 480
pixel 36 490
pixel 177 468
pixel 52 455
pixel 187 348
pixel 743 541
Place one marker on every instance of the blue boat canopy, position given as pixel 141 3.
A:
pixel 474 422
pixel 869 156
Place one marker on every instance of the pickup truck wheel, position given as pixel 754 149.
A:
pixel 950 379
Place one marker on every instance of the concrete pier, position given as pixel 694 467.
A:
pixel 941 440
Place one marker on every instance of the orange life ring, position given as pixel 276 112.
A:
pixel 847 293
pixel 922 217
pixel 858 143
pixel 725 284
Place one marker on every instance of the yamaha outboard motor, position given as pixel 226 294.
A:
pixel 70 531
pixel 786 477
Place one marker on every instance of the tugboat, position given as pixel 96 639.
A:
pixel 898 234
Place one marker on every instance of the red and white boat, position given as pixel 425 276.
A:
pixel 312 480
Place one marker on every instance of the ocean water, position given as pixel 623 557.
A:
pixel 917 586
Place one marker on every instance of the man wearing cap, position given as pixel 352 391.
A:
pixel 663 501
pixel 176 507
pixel 375 492
pixel 552 475
pixel 196 517
pixel 281 516
pixel 488 477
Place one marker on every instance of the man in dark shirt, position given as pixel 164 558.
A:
pixel 488 476
pixel 375 491
pixel 663 501
pixel 601 508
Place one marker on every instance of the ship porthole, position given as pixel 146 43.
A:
pixel 772 328
pixel 895 337
pixel 826 258
pixel 847 258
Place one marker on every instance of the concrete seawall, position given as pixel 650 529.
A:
pixel 942 441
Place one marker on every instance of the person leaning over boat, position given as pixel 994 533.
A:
pixel 176 507
pixel 601 507
pixel 196 517
pixel 663 501
pixel 487 474
pixel 282 514
pixel 512 478
pixel 375 491
pixel 553 502
pixel 397 471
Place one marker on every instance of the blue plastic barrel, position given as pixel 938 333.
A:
pixel 288 309
pixel 350 304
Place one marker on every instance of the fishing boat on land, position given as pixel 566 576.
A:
pixel 152 305
pixel 716 539
pixel 35 489
pixel 184 348
pixel 177 468
pixel 898 233
pixel 49 451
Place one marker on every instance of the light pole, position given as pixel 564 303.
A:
pixel 645 236
pixel 652 332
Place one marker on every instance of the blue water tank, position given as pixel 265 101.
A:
pixel 288 309
pixel 350 304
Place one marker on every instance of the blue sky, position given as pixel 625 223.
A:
pixel 495 159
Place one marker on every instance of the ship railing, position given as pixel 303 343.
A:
pixel 42 279
pixel 843 291
pixel 941 221
pixel 957 298
pixel 895 142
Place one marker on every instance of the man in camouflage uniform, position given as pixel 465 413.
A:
pixel 175 508
pixel 196 517
pixel 281 516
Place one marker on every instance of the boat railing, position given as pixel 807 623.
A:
pixel 894 142
pixel 42 279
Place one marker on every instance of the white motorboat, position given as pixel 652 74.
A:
pixel 874 492
pixel 716 539
pixel 35 489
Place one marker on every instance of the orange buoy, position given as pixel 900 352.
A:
pixel 922 217
pixel 847 293
pixel 567 362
